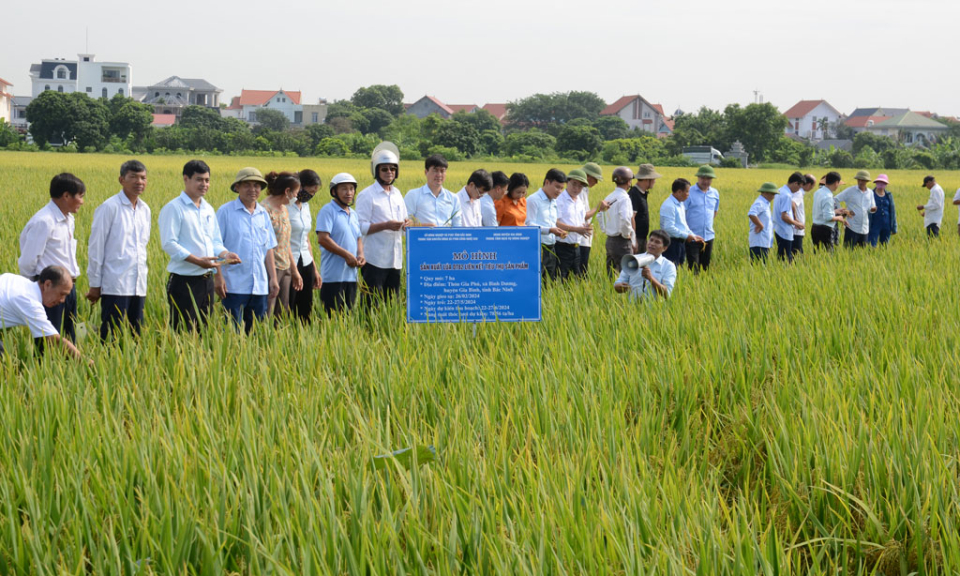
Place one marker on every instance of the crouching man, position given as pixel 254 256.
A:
pixel 654 280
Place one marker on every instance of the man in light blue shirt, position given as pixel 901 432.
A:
pixel 341 246
pixel 488 208
pixel 654 280
pixel 190 235
pixel 859 203
pixel 825 213
pixel 245 287
pixel 432 204
pixel 701 209
pixel 542 212
pixel 673 221
pixel 761 229
pixel 783 221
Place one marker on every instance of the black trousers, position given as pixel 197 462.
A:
pixel 853 239
pixel 301 301
pixel 933 231
pixel 784 248
pixel 64 318
pixel 338 296
pixel 569 259
pixel 676 252
pixel 758 254
pixel 822 237
pixel 617 248
pixel 699 255
pixel 115 311
pixel 797 244
pixel 549 262
pixel 191 300
pixel 584 261
pixel 382 283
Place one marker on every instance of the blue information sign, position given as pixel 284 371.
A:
pixel 473 274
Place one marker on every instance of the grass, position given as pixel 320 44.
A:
pixel 768 419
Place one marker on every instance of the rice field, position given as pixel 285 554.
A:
pixel 778 419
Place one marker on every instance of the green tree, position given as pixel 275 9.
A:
pixel 551 111
pixel 200 116
pixel 8 134
pixel 131 119
pixel 64 118
pixel 271 120
pixel 463 137
pixel 481 120
pixel 704 128
pixel 612 128
pixel 532 143
pixel 404 131
pixel 580 142
pixel 376 120
pixel 758 127
pixel 317 132
pixel 873 141
pixel 380 96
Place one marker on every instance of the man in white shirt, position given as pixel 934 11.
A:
pixel 956 202
pixel 761 226
pixel 383 216
pixel 859 203
pixel 655 280
pixel 784 224
pixel 432 204
pixel 478 185
pixel 800 211
pixel 24 302
pixel 572 218
pixel 542 213
pixel 617 221
pixel 190 235
pixel 488 208
pixel 932 211
pixel 48 240
pixel 117 254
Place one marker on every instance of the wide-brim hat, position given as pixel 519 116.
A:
pixel 768 188
pixel 578 175
pixel 706 172
pixel 593 169
pixel 246 174
pixel 646 172
pixel 862 175
pixel 882 178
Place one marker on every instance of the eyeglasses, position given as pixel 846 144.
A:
pixel 388 168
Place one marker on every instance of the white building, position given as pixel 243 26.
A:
pixel 808 118
pixel 637 112
pixel 246 105
pixel 95 79
pixel 6 101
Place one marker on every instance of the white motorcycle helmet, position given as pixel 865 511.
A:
pixel 341 178
pixel 385 153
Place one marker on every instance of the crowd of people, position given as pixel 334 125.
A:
pixel 256 252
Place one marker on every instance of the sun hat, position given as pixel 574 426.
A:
pixel 248 173
pixel 593 169
pixel 862 175
pixel 646 172
pixel 578 175
pixel 768 188
pixel 882 178
pixel 706 171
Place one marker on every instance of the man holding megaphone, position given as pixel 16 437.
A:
pixel 650 274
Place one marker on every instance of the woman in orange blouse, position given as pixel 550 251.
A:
pixel 512 208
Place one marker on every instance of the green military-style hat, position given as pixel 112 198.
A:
pixel 768 188
pixel 706 171
pixel 862 175
pixel 578 175
pixel 593 169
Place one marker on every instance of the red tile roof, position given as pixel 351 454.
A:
pixel 925 114
pixel 164 119
pixel 659 108
pixel 261 97
pixel 4 82
pixel 458 107
pixel 619 105
pixel 802 108
pixel 439 104
pixel 861 121
pixel 498 110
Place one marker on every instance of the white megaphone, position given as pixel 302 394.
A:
pixel 632 263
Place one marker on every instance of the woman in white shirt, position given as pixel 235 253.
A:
pixel 301 228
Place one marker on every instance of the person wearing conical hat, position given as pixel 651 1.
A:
pixel 859 202
pixel 646 177
pixel 701 208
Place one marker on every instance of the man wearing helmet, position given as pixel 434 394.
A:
pixel 383 216
pixel 341 246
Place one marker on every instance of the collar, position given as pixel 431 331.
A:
pixel 57 213
pixel 124 200
pixel 377 187
pixel 426 190
pixel 467 195
pixel 238 205
pixel 187 201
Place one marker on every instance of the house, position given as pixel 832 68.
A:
pixel 164 120
pixel 862 123
pixel 812 119
pixel 468 108
pixel 250 101
pixel 499 111
pixel 171 95
pixel 910 128
pixel 6 101
pixel 86 75
pixel 638 112
pixel 315 113
pixel 878 111
pixel 18 114
pixel 429 105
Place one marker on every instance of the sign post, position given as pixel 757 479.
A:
pixel 473 274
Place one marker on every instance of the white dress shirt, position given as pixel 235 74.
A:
pixel 585 195
pixel 440 210
pixel 472 215
pixel 488 211
pixel 21 304
pixel 761 209
pixel 933 210
pixel 618 220
pixel 187 229
pixel 662 269
pixel 572 212
pixel 861 203
pixel 542 213
pixel 47 240
pixel 823 207
pixel 301 228
pixel 801 211
pixel 117 254
pixel 383 249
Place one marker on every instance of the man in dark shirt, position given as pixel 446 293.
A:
pixel 646 177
